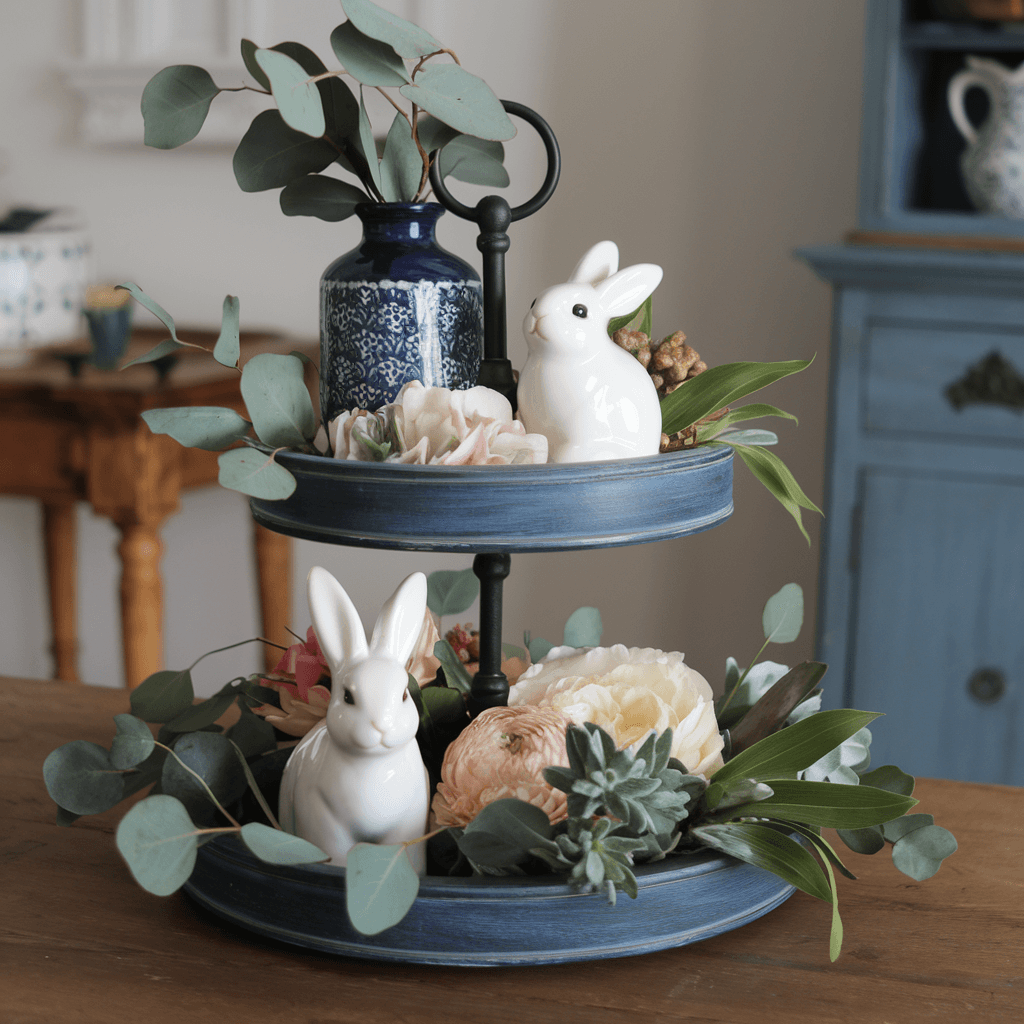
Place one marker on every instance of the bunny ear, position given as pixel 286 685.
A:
pixel 335 619
pixel 401 620
pixel 624 291
pixel 599 261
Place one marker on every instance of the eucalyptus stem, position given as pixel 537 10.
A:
pixel 202 782
pixel 746 671
pixel 241 643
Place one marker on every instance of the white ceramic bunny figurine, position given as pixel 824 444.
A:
pixel 589 397
pixel 358 776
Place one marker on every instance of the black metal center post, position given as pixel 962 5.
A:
pixel 490 687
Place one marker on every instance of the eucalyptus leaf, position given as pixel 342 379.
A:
pixel 408 40
pixel 161 350
pixel 341 111
pixel 862 840
pixel 209 427
pixel 889 777
pixel 132 744
pixel 583 628
pixel 921 852
pixel 163 695
pixel 274 389
pixel 251 733
pixel 211 757
pixel 380 886
pixel 80 777
pixel 401 166
pixel 249 48
pixel 434 134
pixel 277 847
pixel 451 591
pixel 297 98
pixel 461 100
pixel 157 839
pixel 504 832
pixel 227 349
pixel 368 144
pixel 205 713
pixel 369 61
pixel 66 818
pixel 539 648
pixel 317 195
pixel 476 161
pixel 175 103
pixel 455 673
pixel 783 614
pixel 895 830
pixel 156 309
pixel 717 387
pixel 796 747
pixel 255 474
pixel 271 154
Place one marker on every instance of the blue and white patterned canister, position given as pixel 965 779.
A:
pixel 397 308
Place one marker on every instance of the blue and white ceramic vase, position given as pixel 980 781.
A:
pixel 397 308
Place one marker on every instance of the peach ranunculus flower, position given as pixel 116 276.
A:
pixel 629 692
pixel 502 753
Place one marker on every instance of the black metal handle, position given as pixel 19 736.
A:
pixel 490 687
pixel 987 685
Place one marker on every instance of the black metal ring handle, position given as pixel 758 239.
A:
pixel 547 188
pixel 987 685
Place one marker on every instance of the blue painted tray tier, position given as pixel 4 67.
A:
pixel 503 508
pixel 488 922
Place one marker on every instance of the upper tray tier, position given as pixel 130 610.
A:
pixel 552 507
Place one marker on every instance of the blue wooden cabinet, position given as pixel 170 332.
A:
pixel 921 603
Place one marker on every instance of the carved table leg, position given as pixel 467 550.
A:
pixel 61 570
pixel 274 577
pixel 142 608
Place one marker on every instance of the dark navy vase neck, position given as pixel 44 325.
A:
pixel 409 223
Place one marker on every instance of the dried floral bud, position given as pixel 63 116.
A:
pixel 636 343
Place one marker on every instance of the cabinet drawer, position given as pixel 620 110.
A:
pixel 910 367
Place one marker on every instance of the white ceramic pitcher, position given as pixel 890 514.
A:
pixel 993 163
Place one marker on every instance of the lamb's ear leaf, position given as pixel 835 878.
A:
pixel 175 103
pixel 380 886
pixel 227 349
pixel 158 840
pixel 369 61
pixel 408 40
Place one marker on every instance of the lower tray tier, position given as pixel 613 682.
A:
pixel 488 922
pixel 551 507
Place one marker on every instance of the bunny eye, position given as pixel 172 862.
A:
pixel 532 304
pixel 349 699
pixel 580 310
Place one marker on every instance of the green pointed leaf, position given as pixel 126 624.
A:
pixel 341 112
pixel 889 777
pixel 583 628
pixel 132 744
pixel 271 154
pixel 641 319
pixel 735 793
pixel 211 757
pixel 451 591
pixel 368 144
pixel 80 778
pixel 160 351
pixel 796 747
pixel 862 840
pixel 745 412
pixel 776 705
pixel 921 852
pixel 827 854
pixel 758 438
pixel 408 40
pixel 476 161
pixel 380 886
pixel 274 389
pixel 249 49
pixel 163 695
pixel 401 166
pixel 175 103
pixel 157 310
pixel 226 351
pixel 157 839
pixel 296 96
pixel 455 673
pixel 783 614
pixel 369 61
pixel 277 847
pixel 198 426
pixel 461 100
pixel 317 195
pixel 717 387
pixel 256 474
pixel 766 848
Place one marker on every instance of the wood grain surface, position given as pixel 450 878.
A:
pixel 79 941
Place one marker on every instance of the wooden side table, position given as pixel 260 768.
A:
pixel 70 439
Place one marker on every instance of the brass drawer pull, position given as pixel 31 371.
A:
pixel 993 380
pixel 987 685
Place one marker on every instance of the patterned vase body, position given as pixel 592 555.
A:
pixel 397 308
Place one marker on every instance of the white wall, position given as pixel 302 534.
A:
pixel 710 136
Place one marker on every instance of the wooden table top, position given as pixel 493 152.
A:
pixel 79 941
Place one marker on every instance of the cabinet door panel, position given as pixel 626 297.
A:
pixel 940 597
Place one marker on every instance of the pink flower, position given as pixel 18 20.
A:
pixel 502 753
pixel 295 717
pixel 305 663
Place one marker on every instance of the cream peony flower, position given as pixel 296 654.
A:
pixel 502 753
pixel 422 664
pixel 629 692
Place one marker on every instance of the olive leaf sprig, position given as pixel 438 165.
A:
pixel 319 121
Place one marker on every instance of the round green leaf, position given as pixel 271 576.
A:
pixel 175 103
pixel 583 628
pixel 784 614
pixel 895 830
pixel 539 648
pixel 274 389
pixel 132 744
pixel 341 111
pixel 408 39
pixel 251 734
pixel 254 473
pixel 862 840
pixel 461 100
pixel 367 60
pixel 920 852
pixel 80 778
pixel 157 839
pixel 474 160
pixel 271 154
pixel 163 695
pixel 317 195
pixel 277 847
pixel 889 777
pixel 451 591
pixel 249 49
pixel 199 426
pixel 296 96
pixel 380 886
pixel 211 756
